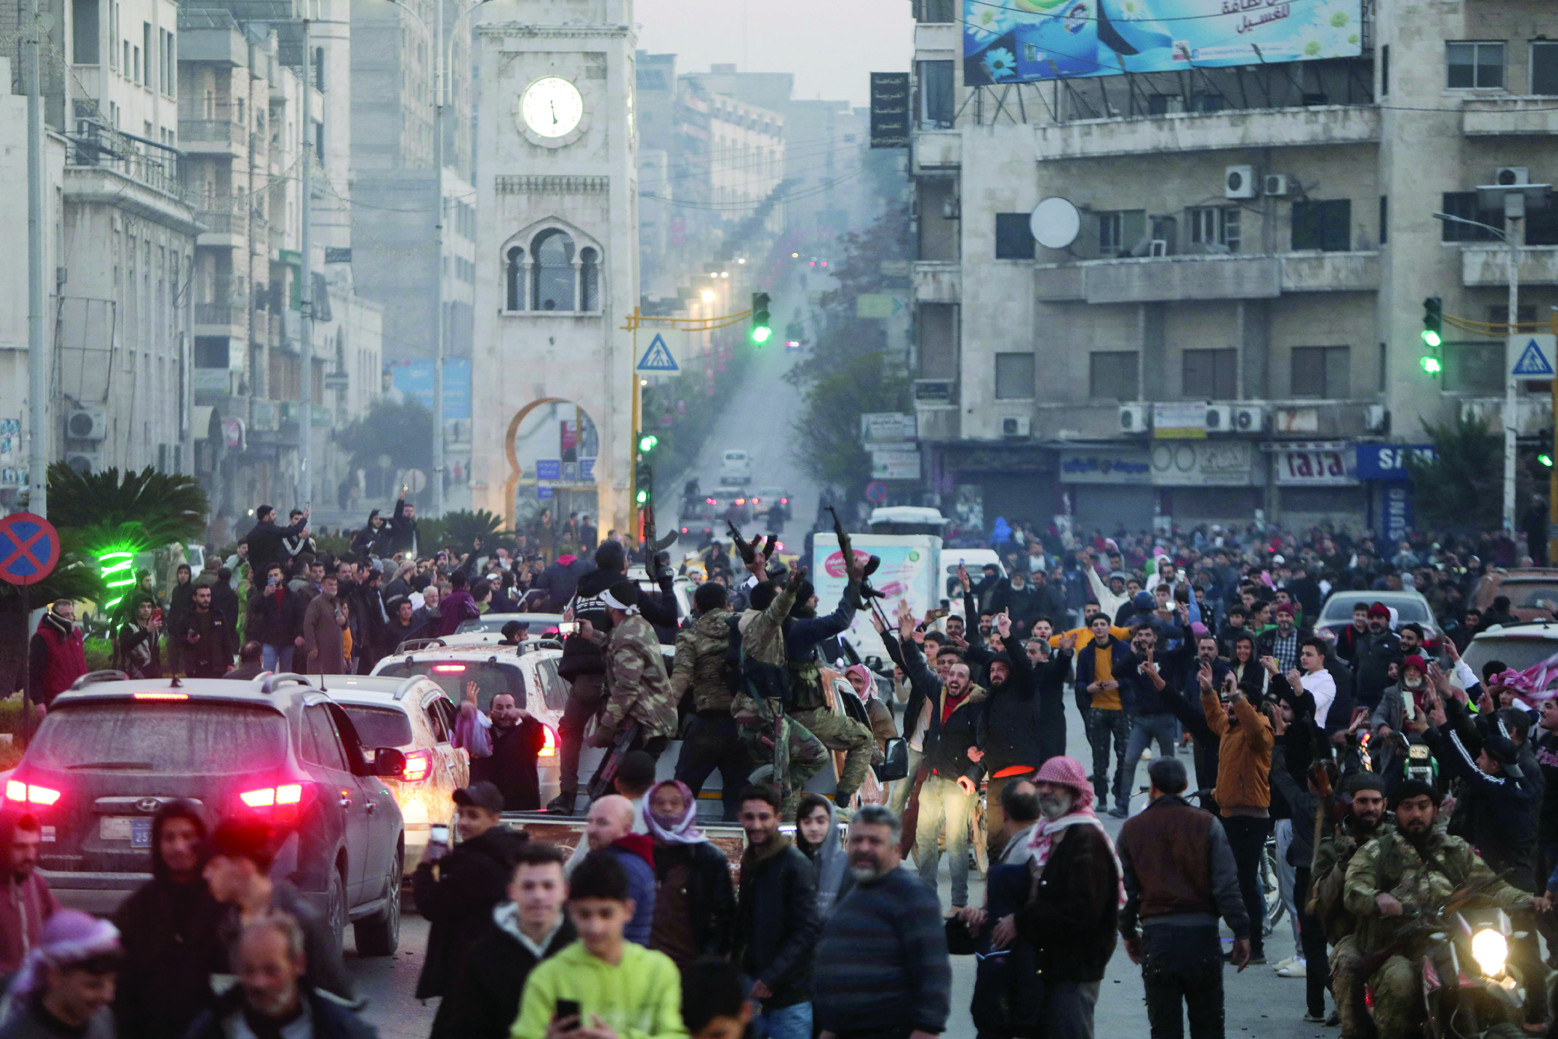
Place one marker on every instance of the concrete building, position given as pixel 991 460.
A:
pixel 557 256
pixel 122 250
pixel 1235 324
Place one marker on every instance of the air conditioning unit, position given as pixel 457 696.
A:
pixel 1277 185
pixel 1135 418
pixel 1512 176
pixel 1240 182
pixel 86 424
pixel 84 462
pixel 1376 418
pixel 1016 426
pixel 1219 418
pixel 1159 247
pixel 1249 418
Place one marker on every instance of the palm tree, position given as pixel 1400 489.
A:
pixel 137 511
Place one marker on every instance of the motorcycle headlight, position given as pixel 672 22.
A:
pixel 1490 949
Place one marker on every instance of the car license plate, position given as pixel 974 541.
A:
pixel 126 828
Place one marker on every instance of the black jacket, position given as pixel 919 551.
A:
pixel 1023 720
pixel 265 545
pixel 946 742
pixel 710 894
pixel 1072 915
pixel 483 999
pixel 1502 811
pixel 325 970
pixel 1371 662
pixel 512 765
pixel 330 1019
pixel 275 623
pixel 582 656
pixel 777 924
pixel 170 934
pixel 458 903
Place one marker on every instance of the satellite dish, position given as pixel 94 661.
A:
pixel 1055 223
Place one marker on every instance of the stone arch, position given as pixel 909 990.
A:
pixel 588 436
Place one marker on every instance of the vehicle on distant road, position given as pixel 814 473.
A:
pixel 763 500
pixel 1518 646
pixel 735 467
pixel 1532 591
pixel 277 750
pixel 1336 614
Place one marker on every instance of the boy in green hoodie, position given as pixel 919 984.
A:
pixel 601 986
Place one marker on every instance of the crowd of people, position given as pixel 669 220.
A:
pixel 1201 644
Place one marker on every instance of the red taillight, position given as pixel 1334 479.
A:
pixel 741 501
pixel 30 793
pixel 281 803
pixel 784 501
pixel 549 743
pixel 160 696
pixel 448 668
pixel 419 764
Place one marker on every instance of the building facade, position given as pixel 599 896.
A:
pixel 1229 317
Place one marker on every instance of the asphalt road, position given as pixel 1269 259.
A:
pixel 1257 1001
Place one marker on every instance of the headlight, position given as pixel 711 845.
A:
pixel 1490 950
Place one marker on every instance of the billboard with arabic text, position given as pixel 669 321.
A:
pixel 1022 41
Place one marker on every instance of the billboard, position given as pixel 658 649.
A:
pixel 414 380
pixel 1022 41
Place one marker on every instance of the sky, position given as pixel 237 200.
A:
pixel 831 46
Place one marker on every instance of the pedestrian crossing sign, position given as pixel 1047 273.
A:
pixel 658 357
pixel 1531 356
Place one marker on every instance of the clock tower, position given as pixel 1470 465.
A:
pixel 557 258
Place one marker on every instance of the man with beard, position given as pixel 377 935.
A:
pixel 517 740
pixel 273 997
pixel 207 640
pixel 1072 913
pixel 881 967
pixel 26 903
pixel 400 627
pixel 1364 822
pixel 169 931
pixel 1375 656
pixel 1420 867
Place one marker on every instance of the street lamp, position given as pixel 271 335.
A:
pixel 1506 234
pixel 440 89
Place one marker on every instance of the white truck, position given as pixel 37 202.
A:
pixel 910 565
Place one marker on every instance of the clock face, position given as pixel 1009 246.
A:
pixel 551 107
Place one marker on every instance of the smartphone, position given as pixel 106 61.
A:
pixel 156 615
pixel 438 834
pixel 568 1008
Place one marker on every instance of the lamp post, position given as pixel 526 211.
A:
pixel 1507 234
pixel 440 99
pixel 37 356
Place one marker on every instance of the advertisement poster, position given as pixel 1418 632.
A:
pixel 1022 41
pixel 908 570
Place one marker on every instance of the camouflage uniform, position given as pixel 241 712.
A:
pixel 1329 874
pixel 1391 865
pixel 699 663
pixel 759 704
pixel 712 739
pixel 637 687
pixel 809 704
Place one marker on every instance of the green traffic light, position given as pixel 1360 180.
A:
pixel 647 442
pixel 1432 337
pixel 761 334
pixel 1431 365
pixel 643 496
pixel 1545 459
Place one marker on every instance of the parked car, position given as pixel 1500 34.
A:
pixel 1533 592
pixel 1519 646
pixel 416 716
pixel 112 751
pixel 541 624
pixel 1336 614
pixel 527 672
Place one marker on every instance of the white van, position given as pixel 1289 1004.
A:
pixel 735 467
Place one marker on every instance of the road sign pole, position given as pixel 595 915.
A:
pixel 27 704
pixel 632 526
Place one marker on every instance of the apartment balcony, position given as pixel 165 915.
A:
pixel 937 150
pixel 129 173
pixel 936 282
pixel 212 137
pixel 1174 278
pixel 1214 131
pixel 1487 266
pixel 221 319
pixel 1509 117
pixel 224 227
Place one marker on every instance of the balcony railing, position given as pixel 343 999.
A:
pixel 222 314
pixel 151 163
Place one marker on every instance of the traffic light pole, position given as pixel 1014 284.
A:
pixel 1511 403
pixel 637 320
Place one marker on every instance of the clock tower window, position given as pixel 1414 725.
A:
pixel 514 278
pixel 589 279
pixel 554 276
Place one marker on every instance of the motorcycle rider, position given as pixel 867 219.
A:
pixel 1418 867
pixel 1365 820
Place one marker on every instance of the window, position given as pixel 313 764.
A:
pixel 1384 70
pixel 1541 226
pixel 1474 65
pixel 936 94
pixel 113 35
pixel 320 745
pixel 1216 226
pixel 589 279
pixel 935 11
pixel 1112 375
pixel 1464 205
pixel 552 274
pixel 1322 371
pixel 1119 230
pixel 1384 219
pixel 1476 369
pixel 1014 376
pixel 146 50
pixel 1323 225
pixel 1013 237
pixel 1210 374
pixel 1544 67
pixel 84 32
pixel 1163 104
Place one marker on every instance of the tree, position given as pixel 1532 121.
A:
pixel 139 511
pixel 1461 488
pixel 461 528
pixel 402 432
